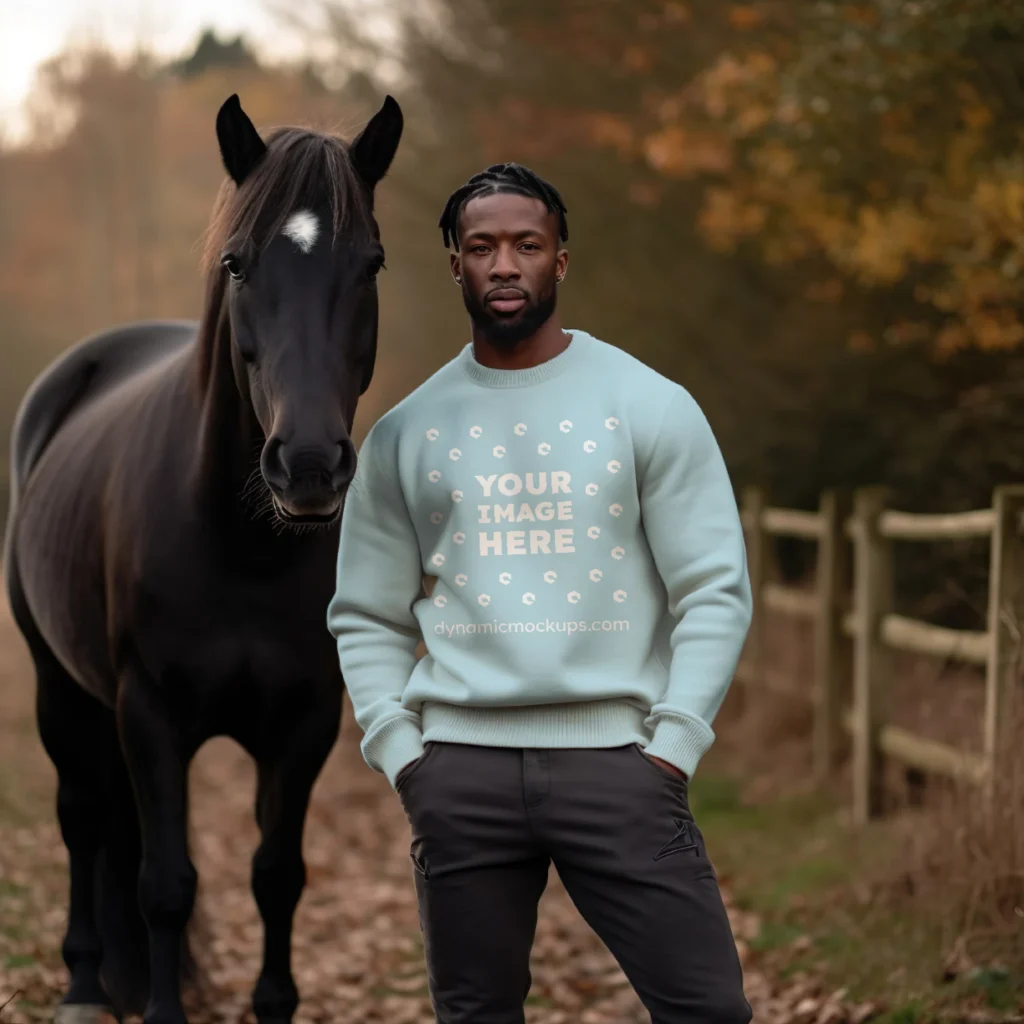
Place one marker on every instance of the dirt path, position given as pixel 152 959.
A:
pixel 357 951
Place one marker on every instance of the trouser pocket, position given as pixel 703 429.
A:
pixel 409 770
pixel 661 773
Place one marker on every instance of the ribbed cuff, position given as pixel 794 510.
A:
pixel 393 746
pixel 680 741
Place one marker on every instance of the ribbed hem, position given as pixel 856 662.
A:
pixel 489 377
pixel 681 741
pixel 393 746
pixel 604 723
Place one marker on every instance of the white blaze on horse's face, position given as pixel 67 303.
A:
pixel 303 229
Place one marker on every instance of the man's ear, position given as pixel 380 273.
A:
pixel 456 267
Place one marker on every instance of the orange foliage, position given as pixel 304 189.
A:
pixel 675 151
pixel 938 199
pixel 962 222
pixel 745 16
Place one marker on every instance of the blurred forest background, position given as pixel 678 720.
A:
pixel 809 214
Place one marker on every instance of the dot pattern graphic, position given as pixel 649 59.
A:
pixel 458 485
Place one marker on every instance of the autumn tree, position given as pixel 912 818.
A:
pixel 882 140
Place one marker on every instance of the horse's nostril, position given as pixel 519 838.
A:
pixel 345 466
pixel 272 464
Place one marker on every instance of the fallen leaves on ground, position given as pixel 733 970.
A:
pixel 357 951
pixel 357 954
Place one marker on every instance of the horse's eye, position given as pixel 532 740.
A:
pixel 233 267
pixel 374 268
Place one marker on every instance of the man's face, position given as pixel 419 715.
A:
pixel 508 265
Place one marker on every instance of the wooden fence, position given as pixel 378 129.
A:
pixel 855 628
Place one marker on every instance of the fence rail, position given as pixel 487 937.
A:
pixel 856 629
pixel 954 526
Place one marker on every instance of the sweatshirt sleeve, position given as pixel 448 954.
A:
pixel 695 534
pixel 379 577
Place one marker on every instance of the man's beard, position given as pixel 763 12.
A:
pixel 508 332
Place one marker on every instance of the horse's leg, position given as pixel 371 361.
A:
pixel 286 779
pixel 158 761
pixel 76 731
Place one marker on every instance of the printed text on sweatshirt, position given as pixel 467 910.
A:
pixel 590 577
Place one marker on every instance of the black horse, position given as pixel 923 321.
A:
pixel 171 550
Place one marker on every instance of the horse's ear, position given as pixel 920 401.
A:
pixel 374 148
pixel 240 144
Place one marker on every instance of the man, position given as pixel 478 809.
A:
pixel 589 605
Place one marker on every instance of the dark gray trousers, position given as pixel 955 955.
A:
pixel 486 824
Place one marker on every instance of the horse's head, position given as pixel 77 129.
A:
pixel 300 250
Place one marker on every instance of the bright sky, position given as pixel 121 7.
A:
pixel 31 31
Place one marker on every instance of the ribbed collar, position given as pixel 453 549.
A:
pixel 489 377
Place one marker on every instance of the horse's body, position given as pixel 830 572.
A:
pixel 118 570
pixel 163 607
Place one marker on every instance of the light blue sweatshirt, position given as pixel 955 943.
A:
pixel 590 576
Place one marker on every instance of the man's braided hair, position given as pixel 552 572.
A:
pixel 501 178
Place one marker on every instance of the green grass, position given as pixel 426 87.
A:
pixel 914 1012
pixel 796 863
pixel 540 1001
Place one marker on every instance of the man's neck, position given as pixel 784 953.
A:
pixel 549 341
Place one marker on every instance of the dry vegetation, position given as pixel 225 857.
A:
pixel 924 908
pixel 969 864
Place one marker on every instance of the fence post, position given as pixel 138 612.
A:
pixel 757 555
pixel 832 654
pixel 1005 622
pixel 873 599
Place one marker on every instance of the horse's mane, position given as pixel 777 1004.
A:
pixel 301 168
